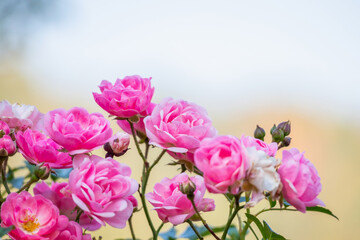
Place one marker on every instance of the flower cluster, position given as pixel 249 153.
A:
pixel 99 191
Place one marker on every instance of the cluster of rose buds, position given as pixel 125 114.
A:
pixel 99 191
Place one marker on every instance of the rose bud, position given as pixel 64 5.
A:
pixel 259 133
pixel 277 135
pixel 285 127
pixel 118 145
pixel 42 171
pixel 7 146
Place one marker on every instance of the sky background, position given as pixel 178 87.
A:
pixel 246 62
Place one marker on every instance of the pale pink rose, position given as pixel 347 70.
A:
pixel 32 217
pixel 224 162
pixel 118 145
pixel 7 146
pixel 269 149
pixel 60 195
pixel 20 117
pixel 73 231
pixel 172 205
pixel 101 187
pixel 261 176
pixel 139 127
pixel 301 182
pixel 37 148
pixel 178 126
pixel 76 130
pixel 4 128
pixel 128 97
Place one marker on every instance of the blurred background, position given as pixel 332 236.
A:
pixel 246 62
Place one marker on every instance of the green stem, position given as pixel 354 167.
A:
pixel 253 232
pixel 32 180
pixel 233 215
pixel 159 228
pixel 3 165
pixel 131 228
pixel 77 219
pixel 145 178
pixel 202 220
pixel 194 229
pixel 136 142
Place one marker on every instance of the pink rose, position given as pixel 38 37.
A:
pixel 301 182
pixel 118 145
pixel 60 195
pixel 128 97
pixel 37 148
pixel 4 128
pixel 224 162
pixel 269 149
pixel 178 126
pixel 21 117
pixel 32 217
pixel 172 205
pixel 101 187
pixel 139 127
pixel 76 130
pixel 73 231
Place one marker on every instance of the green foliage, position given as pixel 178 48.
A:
pixel 4 231
pixel 322 210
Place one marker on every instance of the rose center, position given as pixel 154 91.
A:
pixel 31 224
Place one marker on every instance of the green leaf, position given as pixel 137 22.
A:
pixel 271 234
pixel 4 231
pixel 321 209
pixel 257 222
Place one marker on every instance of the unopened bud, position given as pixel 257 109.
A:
pixel 277 135
pixel 7 144
pixel 42 172
pixel 118 145
pixel 188 188
pixel 259 133
pixel 286 141
pixel 272 129
pixel 285 127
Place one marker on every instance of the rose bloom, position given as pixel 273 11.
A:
pixel 301 182
pixel 261 176
pixel 60 195
pixel 178 126
pixel 101 187
pixel 76 130
pixel 224 162
pixel 73 231
pixel 7 145
pixel 172 205
pixel 32 217
pixel 20 117
pixel 269 149
pixel 37 148
pixel 128 97
pixel 139 127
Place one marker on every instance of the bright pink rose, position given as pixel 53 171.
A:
pixel 224 162
pixel 172 205
pixel 60 195
pixel 139 127
pixel 76 130
pixel 21 117
pixel 32 217
pixel 178 126
pixel 7 146
pixel 269 149
pixel 73 231
pixel 101 187
pixel 301 182
pixel 37 148
pixel 4 128
pixel 128 97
